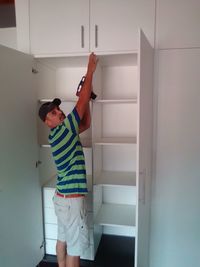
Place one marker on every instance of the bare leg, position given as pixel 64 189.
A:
pixel 72 261
pixel 61 253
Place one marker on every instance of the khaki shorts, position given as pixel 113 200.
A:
pixel 72 223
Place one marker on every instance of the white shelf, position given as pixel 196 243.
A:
pixel 62 100
pixel 115 141
pixel 85 143
pixel 116 215
pixel 116 101
pixel 113 178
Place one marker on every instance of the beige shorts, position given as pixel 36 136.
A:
pixel 72 223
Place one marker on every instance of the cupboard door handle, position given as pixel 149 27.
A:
pixel 82 36
pixel 96 36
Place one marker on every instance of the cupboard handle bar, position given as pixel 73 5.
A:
pixel 82 36
pixel 96 36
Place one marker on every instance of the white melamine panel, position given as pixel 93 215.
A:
pixel 45 81
pixel 114 178
pixel 113 162
pixel 119 158
pixel 175 238
pixel 67 80
pixel 119 194
pixel 50 246
pixel 89 201
pixel 115 141
pixel 144 152
pixel 119 120
pixel 21 227
pixel 116 215
pixel 117 23
pixel 50 216
pixel 177 23
pixel 97 198
pixel 88 159
pixel 51 231
pixel 47 168
pixel 119 82
pixel 48 194
pixel 59 28
pixel 119 230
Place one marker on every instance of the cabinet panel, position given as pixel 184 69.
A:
pixel 114 23
pixel 20 193
pixel 59 27
pixel 118 158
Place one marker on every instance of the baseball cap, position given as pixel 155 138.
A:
pixel 47 107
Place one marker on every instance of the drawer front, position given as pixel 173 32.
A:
pixel 48 197
pixel 50 216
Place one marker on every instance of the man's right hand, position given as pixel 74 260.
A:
pixel 93 60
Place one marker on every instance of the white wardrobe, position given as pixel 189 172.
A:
pixel 117 146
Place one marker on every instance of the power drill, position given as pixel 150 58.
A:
pixel 92 96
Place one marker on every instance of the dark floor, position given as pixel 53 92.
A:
pixel 113 251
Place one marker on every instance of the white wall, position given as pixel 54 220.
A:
pixel 175 218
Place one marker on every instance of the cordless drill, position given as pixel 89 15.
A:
pixel 92 96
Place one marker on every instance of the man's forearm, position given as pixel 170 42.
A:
pixel 86 120
pixel 85 93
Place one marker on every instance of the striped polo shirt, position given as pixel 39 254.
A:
pixel 68 156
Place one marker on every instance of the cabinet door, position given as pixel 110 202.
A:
pixel 59 27
pixel 21 228
pixel 144 165
pixel 114 23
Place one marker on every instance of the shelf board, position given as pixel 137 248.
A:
pixel 85 143
pixel 116 215
pixel 116 101
pixel 44 100
pixel 110 178
pixel 103 101
pixel 115 141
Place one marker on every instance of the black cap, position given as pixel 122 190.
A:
pixel 47 107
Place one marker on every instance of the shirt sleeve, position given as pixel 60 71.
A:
pixel 72 121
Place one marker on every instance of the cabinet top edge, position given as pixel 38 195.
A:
pixel 98 53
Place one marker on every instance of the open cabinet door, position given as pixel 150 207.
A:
pixel 145 139
pixel 21 227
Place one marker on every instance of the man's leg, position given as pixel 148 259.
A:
pixel 61 253
pixel 72 261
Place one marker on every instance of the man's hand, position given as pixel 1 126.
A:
pixel 92 62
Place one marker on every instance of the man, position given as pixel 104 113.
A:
pixel 71 185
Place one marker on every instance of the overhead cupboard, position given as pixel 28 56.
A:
pixel 80 26
pixel 117 146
